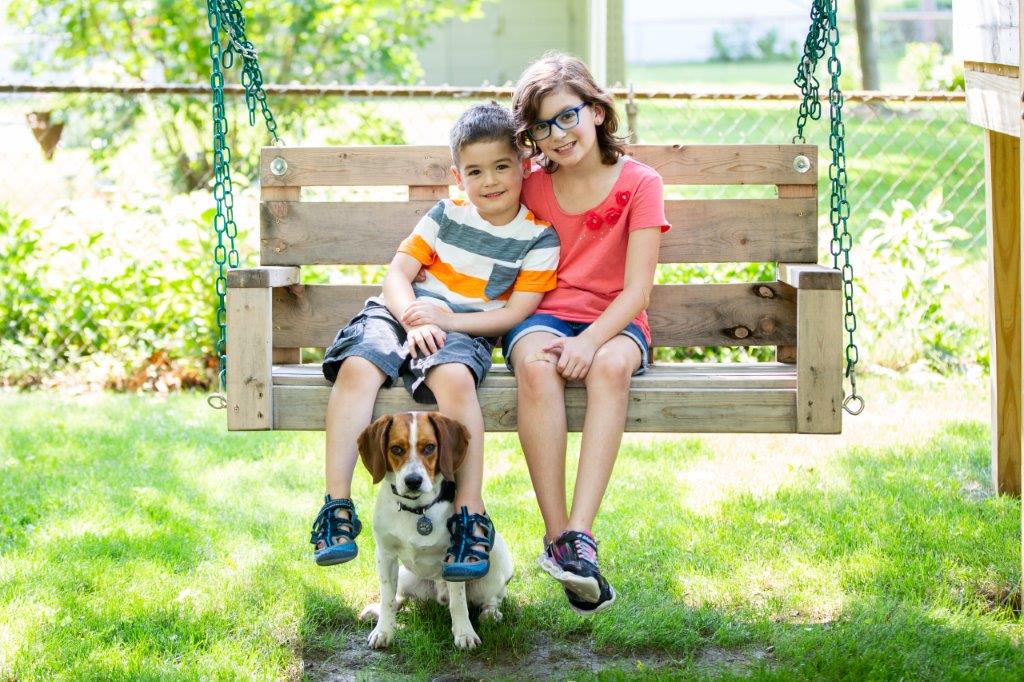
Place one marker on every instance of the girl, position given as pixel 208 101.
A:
pixel 609 214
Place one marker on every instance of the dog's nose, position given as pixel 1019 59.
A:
pixel 413 481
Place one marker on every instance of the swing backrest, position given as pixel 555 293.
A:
pixel 295 231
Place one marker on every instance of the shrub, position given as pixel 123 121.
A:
pixel 94 302
pixel 926 68
pixel 910 307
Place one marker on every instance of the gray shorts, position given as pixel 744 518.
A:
pixel 374 334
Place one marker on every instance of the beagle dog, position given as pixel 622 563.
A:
pixel 416 454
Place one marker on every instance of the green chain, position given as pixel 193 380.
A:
pixel 824 33
pixel 226 15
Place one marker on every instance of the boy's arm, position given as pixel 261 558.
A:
pixel 488 323
pixel 398 294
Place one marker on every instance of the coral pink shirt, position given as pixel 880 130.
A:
pixel 592 265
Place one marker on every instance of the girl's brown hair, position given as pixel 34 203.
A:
pixel 546 75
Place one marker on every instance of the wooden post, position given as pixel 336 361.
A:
pixel 819 346
pixel 787 354
pixel 250 345
pixel 283 356
pixel 249 359
pixel 1002 171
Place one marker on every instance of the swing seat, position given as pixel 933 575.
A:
pixel 271 315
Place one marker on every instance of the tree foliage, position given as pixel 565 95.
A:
pixel 308 42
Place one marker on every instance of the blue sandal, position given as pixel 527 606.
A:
pixel 328 526
pixel 468 562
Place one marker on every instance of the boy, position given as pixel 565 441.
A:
pixel 487 263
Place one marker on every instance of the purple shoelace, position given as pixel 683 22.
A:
pixel 584 550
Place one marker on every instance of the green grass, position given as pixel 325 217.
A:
pixel 138 540
pixel 757 74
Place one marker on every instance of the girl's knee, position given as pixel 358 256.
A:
pixel 537 375
pixel 611 371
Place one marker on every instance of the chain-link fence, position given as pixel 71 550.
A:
pixel 114 201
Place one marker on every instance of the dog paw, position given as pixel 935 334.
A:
pixel 491 613
pixel 370 614
pixel 467 639
pixel 380 638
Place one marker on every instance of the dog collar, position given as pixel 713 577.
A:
pixel 447 494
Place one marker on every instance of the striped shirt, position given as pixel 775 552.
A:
pixel 472 265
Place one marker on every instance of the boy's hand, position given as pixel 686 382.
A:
pixel 575 355
pixel 426 338
pixel 419 313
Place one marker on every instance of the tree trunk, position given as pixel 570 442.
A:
pixel 868 47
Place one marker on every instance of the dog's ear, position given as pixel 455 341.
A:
pixel 452 441
pixel 373 445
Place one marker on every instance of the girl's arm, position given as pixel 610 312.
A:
pixel 488 323
pixel 577 353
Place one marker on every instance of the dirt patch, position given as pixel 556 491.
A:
pixel 544 660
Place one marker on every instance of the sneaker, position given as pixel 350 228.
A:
pixel 572 561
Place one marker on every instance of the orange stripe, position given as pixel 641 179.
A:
pixel 536 221
pixel 535 280
pixel 470 287
pixel 418 249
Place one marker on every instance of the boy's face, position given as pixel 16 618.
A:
pixel 491 174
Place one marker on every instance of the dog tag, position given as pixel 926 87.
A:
pixel 424 526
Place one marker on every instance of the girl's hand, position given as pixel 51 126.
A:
pixel 426 338
pixel 419 313
pixel 575 355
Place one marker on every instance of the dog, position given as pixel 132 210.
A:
pixel 416 454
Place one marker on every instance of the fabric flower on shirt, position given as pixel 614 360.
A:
pixel 622 198
pixel 613 214
pixel 592 221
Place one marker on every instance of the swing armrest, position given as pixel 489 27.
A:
pixel 810 276
pixel 250 345
pixel 819 345
pixel 263 277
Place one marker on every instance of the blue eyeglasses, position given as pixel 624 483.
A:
pixel 565 120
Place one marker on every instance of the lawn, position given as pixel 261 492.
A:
pixel 139 540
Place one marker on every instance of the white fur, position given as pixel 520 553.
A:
pixel 409 564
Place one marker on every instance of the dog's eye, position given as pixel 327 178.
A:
pixel 429 448
pixel 396 450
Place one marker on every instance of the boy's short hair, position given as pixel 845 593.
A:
pixel 489 122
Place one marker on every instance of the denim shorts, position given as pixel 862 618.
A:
pixel 375 335
pixel 542 322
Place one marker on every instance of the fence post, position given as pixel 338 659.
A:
pixel 631 113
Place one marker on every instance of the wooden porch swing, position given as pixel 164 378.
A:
pixel 271 315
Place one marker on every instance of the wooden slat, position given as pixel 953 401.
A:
pixel 704 231
pixel 283 193
pixel 249 360
pixel 993 102
pixel 669 375
pixel 680 314
pixel 649 410
pixel 262 277
pixel 810 276
pixel 428 192
pixel 819 361
pixel 429 165
pixel 986 31
pixel 287 356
